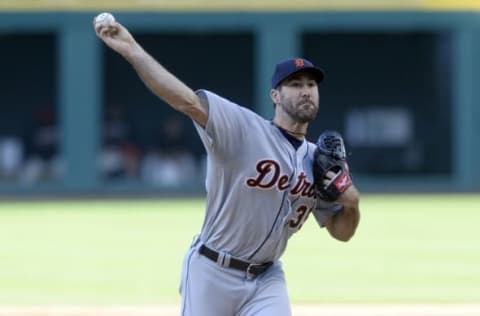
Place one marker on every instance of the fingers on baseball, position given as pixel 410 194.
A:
pixel 106 28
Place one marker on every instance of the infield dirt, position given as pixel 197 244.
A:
pixel 298 310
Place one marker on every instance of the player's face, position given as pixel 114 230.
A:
pixel 299 97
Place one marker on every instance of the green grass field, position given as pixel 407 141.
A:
pixel 408 249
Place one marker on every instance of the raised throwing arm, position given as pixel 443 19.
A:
pixel 159 80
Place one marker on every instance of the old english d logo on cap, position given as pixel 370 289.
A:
pixel 291 66
pixel 299 63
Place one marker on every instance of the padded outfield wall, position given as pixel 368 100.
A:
pixel 401 82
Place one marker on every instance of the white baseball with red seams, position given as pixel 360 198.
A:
pixel 104 19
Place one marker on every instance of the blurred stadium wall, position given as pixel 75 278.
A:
pixel 401 87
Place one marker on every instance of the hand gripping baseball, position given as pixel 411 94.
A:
pixel 330 168
pixel 115 35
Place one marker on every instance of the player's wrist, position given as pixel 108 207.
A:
pixel 133 52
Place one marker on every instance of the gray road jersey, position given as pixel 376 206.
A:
pixel 259 188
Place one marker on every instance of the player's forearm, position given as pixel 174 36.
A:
pixel 165 85
pixel 343 225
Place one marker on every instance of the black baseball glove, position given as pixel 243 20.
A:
pixel 330 155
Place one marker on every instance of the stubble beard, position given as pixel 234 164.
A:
pixel 300 112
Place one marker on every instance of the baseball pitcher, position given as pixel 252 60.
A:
pixel 263 181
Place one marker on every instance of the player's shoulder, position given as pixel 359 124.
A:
pixel 222 104
pixel 205 95
pixel 311 146
pixel 211 98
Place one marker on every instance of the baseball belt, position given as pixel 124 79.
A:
pixel 252 268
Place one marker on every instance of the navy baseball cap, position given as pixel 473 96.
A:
pixel 288 67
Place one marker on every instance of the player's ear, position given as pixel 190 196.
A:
pixel 275 96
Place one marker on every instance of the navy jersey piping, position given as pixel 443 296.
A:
pixel 273 226
pixel 285 194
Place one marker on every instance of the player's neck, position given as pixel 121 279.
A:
pixel 298 131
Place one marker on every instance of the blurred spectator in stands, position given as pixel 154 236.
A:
pixel 170 163
pixel 11 156
pixel 43 161
pixel 119 157
pixel 12 142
